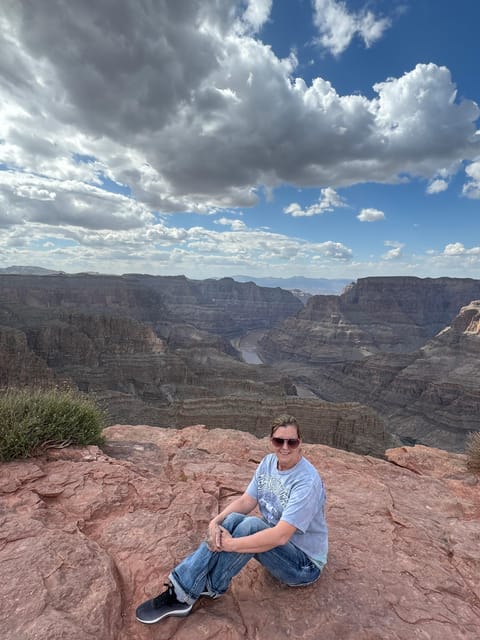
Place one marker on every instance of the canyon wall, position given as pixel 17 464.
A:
pixel 409 350
pixel 156 350
pixel 374 315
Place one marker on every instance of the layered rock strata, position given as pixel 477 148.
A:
pixel 374 315
pixel 140 344
pixel 425 387
pixel 223 307
pixel 86 536
pixel 348 426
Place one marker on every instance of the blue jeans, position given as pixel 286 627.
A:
pixel 212 571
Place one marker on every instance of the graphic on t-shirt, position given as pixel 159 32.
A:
pixel 272 498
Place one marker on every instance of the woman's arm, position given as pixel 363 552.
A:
pixel 243 504
pixel 257 542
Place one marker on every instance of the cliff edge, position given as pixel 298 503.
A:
pixel 87 534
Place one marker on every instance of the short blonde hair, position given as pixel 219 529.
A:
pixel 284 420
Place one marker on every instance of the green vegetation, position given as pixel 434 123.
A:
pixel 473 451
pixel 34 420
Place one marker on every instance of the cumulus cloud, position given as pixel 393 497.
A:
pixel 172 101
pixel 396 252
pixel 338 26
pixel 371 215
pixel 471 188
pixel 236 225
pixel 257 13
pixel 458 249
pixel 30 198
pixel 111 119
pixel 158 248
pixel 437 186
pixel 328 201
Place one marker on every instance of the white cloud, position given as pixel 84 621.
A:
pixel 458 249
pixel 328 201
pixel 257 13
pixel 201 117
pixel 371 215
pixel 437 186
pixel 27 197
pixel 332 250
pixel 158 248
pixel 184 110
pixel 338 26
pixel 236 225
pixel 395 253
pixel 471 189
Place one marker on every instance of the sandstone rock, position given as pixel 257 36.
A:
pixel 86 536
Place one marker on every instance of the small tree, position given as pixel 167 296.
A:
pixel 473 451
pixel 35 419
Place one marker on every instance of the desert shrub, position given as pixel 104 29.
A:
pixel 473 450
pixel 32 420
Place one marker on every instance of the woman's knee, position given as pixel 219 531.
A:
pixel 249 525
pixel 232 521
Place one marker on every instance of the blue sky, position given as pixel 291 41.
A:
pixel 271 138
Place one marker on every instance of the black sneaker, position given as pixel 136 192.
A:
pixel 164 605
pixel 209 594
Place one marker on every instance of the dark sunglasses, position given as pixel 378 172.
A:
pixel 291 442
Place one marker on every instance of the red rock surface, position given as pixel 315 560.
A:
pixel 85 537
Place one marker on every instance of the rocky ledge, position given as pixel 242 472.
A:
pixel 87 534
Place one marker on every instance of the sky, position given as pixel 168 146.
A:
pixel 212 138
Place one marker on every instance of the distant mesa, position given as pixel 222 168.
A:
pixel 27 270
pixel 312 286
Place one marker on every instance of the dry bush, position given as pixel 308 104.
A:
pixel 473 451
pixel 33 419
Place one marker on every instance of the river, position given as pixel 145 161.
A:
pixel 247 345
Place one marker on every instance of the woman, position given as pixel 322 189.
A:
pixel 290 539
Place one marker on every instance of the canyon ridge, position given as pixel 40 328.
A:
pixel 388 361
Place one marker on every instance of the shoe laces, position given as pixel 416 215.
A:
pixel 166 597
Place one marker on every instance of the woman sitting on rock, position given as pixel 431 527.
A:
pixel 290 539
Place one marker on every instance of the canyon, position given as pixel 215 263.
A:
pixel 407 347
pixel 386 362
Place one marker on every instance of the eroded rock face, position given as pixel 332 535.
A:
pixel 139 343
pixel 86 536
pixel 349 426
pixel 374 315
pixel 223 307
pixel 18 364
pixel 377 344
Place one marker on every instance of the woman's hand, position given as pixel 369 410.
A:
pixel 225 538
pixel 213 537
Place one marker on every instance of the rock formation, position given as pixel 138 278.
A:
pixel 87 535
pixel 377 344
pixel 349 426
pixel 156 350
pixel 19 366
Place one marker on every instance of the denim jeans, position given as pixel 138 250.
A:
pixel 212 571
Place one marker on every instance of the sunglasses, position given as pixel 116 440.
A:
pixel 291 442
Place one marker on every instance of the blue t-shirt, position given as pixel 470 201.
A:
pixel 296 496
